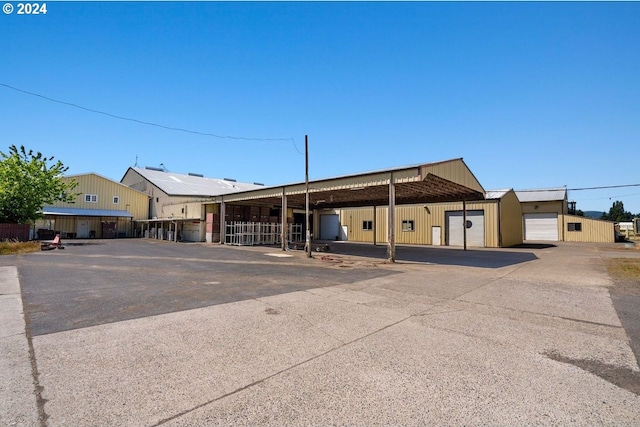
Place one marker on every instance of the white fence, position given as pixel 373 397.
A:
pixel 260 233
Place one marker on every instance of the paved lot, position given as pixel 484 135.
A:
pixel 139 332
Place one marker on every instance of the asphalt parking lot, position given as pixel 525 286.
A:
pixel 142 332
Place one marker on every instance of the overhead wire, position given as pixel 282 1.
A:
pixel 142 122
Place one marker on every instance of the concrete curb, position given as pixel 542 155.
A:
pixel 18 405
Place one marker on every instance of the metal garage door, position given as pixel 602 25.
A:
pixel 329 227
pixel 191 231
pixel 541 226
pixel 475 228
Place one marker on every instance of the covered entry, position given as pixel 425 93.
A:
pixel 474 225
pixel 541 226
pixel 446 181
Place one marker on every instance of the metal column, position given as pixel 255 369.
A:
pixel 391 248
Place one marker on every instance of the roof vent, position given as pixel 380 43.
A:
pixel 151 168
pixel 258 183
pixel 229 179
pixel 196 174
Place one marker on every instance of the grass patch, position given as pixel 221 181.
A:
pixel 624 268
pixel 8 247
pixel 625 273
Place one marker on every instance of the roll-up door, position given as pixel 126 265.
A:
pixel 329 227
pixel 541 226
pixel 475 228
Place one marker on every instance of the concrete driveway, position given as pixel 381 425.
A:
pixel 147 333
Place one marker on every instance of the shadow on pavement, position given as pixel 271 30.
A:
pixel 483 258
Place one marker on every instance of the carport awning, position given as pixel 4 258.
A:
pixel 430 183
pixel 51 210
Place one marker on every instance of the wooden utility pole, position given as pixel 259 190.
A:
pixel 307 246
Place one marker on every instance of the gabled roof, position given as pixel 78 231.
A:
pixel 448 180
pixel 178 184
pixel 80 175
pixel 496 194
pixel 542 195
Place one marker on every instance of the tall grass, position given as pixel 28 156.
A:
pixel 10 247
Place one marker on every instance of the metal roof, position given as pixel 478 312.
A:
pixel 177 184
pixel 542 195
pixel 449 180
pixel 53 210
pixel 496 194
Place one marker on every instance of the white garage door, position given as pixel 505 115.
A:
pixel 475 228
pixel 541 226
pixel 329 227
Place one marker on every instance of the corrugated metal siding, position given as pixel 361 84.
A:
pixel 455 171
pixel 510 218
pixel 542 207
pixel 186 210
pixel 424 216
pixel 105 189
pixel 593 230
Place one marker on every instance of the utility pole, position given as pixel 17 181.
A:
pixel 307 246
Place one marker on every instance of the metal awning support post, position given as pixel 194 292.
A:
pixel 223 225
pixel 283 232
pixel 307 246
pixel 391 248
pixel 464 224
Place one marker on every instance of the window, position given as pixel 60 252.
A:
pixel 116 200
pixel 408 225
pixel 367 225
pixel 91 198
pixel 574 226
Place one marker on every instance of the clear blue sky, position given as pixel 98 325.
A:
pixel 531 95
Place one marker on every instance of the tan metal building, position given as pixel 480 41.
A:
pixel 493 222
pixel 448 181
pixel 102 209
pixel 545 217
pixel 177 202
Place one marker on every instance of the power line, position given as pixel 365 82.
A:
pixel 142 122
pixel 604 187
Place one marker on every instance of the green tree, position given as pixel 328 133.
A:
pixel 617 213
pixel 28 182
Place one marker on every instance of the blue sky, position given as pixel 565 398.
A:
pixel 531 95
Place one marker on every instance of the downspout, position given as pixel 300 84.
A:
pixel 499 223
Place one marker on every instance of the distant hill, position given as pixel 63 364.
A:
pixel 593 214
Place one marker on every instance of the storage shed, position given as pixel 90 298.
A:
pixel 545 218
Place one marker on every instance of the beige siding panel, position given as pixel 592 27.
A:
pixel 186 210
pixel 353 219
pixel 510 218
pixel 542 207
pixel 129 199
pixel 593 230
pixel 455 171
pixel 424 216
